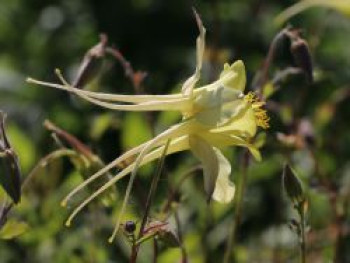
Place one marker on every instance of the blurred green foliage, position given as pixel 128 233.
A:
pixel 309 127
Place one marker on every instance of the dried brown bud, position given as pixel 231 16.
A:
pixel 302 57
pixel 91 63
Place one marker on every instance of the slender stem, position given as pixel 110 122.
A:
pixel 179 234
pixel 302 237
pixel 267 63
pixel 173 191
pixel 340 254
pixel 155 250
pixel 154 184
pixel 238 202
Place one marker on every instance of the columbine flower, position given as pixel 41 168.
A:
pixel 214 116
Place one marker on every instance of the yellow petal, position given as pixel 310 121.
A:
pixel 223 139
pixel 207 106
pixel 216 170
pixel 224 188
pixel 206 154
pixel 226 139
pixel 215 105
pixel 233 76
pixel 242 122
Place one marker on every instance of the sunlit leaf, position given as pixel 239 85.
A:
pixel 342 6
pixel 135 130
pixel 13 229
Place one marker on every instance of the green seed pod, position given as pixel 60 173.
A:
pixel 10 180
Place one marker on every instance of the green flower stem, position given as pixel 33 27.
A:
pixel 238 202
pixel 155 251
pixel 154 184
pixel 302 233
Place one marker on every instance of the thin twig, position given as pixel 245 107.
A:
pixel 267 63
pixel 173 191
pixel 136 77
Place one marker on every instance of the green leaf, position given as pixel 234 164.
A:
pixel 23 146
pixel 13 229
pixel 342 6
pixel 100 124
pixel 135 130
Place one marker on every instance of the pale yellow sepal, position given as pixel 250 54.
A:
pixel 224 189
pixel 216 170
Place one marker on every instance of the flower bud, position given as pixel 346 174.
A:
pixel 302 57
pixel 292 185
pixel 10 180
pixel 91 63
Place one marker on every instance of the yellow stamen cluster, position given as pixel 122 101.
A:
pixel 262 119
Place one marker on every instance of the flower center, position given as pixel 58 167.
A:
pixel 261 117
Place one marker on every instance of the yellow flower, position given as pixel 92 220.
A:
pixel 214 116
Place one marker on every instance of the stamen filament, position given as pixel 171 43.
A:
pixel 179 144
pixel 105 169
pixel 173 132
pixel 114 163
